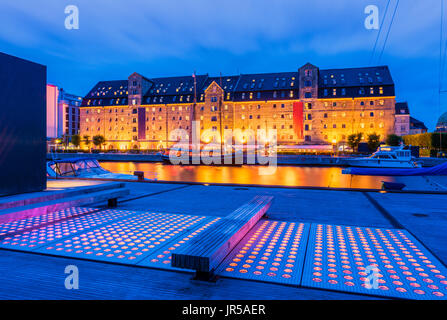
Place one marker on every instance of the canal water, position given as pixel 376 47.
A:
pixel 284 175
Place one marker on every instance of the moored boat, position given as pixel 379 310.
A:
pixel 85 168
pixel 386 157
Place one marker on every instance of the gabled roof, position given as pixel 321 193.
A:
pixel 402 108
pixel 108 89
pixel 175 85
pixel 267 81
pixel 356 82
pixel 416 124
pixel 227 83
pixel 355 77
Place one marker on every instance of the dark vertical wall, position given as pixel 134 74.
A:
pixel 141 123
pixel 22 125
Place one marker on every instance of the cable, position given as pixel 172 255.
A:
pixel 389 29
pixel 441 59
pixel 378 34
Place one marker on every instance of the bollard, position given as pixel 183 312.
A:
pixel 139 174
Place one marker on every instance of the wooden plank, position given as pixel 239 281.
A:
pixel 205 252
pixel 38 209
pixel 49 195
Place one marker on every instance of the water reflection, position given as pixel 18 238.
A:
pixel 284 175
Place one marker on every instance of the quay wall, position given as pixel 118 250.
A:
pixel 285 160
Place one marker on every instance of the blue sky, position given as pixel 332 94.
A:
pixel 167 37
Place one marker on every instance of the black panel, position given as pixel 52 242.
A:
pixel 22 126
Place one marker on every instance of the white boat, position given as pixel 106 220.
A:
pixel 85 168
pixel 386 157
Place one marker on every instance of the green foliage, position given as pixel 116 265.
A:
pixel 87 140
pixel 354 140
pixel 373 141
pixel 393 140
pixel 428 141
pixel 99 140
pixel 76 140
pixel 439 140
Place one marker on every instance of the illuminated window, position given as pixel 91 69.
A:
pixel 380 90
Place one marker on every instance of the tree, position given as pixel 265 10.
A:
pixel 99 140
pixel 354 140
pixel 64 140
pixel 76 140
pixel 373 141
pixel 87 141
pixel 393 140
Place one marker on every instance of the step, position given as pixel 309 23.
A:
pixel 37 209
pixel 48 195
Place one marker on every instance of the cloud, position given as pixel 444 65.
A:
pixel 172 37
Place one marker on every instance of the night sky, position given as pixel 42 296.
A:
pixel 168 38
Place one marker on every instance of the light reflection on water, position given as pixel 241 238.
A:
pixel 285 175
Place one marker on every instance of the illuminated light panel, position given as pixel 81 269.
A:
pixel 35 238
pixel 342 257
pixel 272 251
pixel 32 222
pixel 126 241
pixel 162 257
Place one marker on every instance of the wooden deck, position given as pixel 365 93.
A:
pixel 33 276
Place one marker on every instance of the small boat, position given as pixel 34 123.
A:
pixel 439 170
pixel 85 168
pixel 386 157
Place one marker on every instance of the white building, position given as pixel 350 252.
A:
pixel 402 119
pixel 62 112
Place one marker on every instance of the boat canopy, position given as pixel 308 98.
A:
pixel 74 167
pixel 439 170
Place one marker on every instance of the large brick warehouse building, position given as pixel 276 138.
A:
pixel 307 106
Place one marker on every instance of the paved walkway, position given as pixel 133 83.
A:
pixel 33 276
